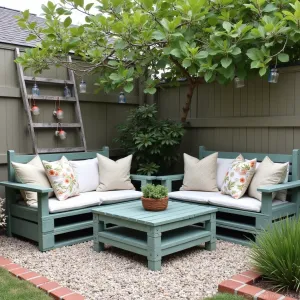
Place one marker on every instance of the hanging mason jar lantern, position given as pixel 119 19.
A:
pixel 35 90
pixel 122 98
pixel 273 76
pixel 34 108
pixel 82 87
pixel 58 113
pixel 67 91
pixel 62 134
pixel 239 82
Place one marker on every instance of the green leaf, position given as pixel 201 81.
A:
pixel 255 64
pixel 226 62
pixel 113 63
pixel 158 35
pixel 79 2
pixel 255 54
pixel 186 63
pixel 89 6
pixel 120 45
pixel 236 51
pixel 128 87
pixel 262 71
pixel 201 55
pixel 208 75
pixel 176 52
pixel 31 37
pixel 283 57
pixel 227 26
pixel 67 22
pixel 115 77
pixel 150 91
pixel 270 7
pixel 26 14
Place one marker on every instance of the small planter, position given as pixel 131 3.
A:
pixel 155 204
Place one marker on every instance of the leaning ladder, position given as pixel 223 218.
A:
pixel 32 126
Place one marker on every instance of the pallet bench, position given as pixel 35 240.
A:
pixel 240 226
pixel 49 230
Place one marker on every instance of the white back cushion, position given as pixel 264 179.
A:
pixel 223 164
pixel 87 174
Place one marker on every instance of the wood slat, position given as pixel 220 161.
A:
pixel 47 80
pixel 60 150
pixel 54 125
pixel 52 98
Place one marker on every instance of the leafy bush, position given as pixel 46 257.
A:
pixel 277 254
pixel 2 213
pixel 153 142
pixel 154 191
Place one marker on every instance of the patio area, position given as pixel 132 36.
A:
pixel 116 274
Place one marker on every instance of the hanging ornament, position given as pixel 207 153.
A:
pixel 239 82
pixel 122 98
pixel 67 92
pixel 35 89
pixel 58 113
pixel 273 76
pixel 62 134
pixel 82 87
pixel 34 108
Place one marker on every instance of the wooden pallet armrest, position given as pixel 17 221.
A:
pixel 279 187
pixel 144 179
pixel 26 187
pixel 168 179
pixel 171 177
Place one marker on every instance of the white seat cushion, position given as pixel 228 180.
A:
pixel 191 196
pixel 83 200
pixel 119 196
pixel 218 199
pixel 89 199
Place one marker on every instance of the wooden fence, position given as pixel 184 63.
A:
pixel 260 117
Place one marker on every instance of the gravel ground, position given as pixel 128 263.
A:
pixel 115 274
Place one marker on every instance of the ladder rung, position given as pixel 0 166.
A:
pixel 47 80
pixel 52 98
pixel 60 150
pixel 54 125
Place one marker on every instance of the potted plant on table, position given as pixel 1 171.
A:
pixel 155 197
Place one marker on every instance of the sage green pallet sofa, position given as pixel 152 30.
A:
pixel 240 220
pixel 52 223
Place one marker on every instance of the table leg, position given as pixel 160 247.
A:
pixel 210 225
pixel 97 227
pixel 154 249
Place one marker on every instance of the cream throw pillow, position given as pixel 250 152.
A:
pixel 31 173
pixel 62 178
pixel 200 175
pixel 238 177
pixel 114 175
pixel 268 173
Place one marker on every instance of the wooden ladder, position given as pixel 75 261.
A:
pixel 74 99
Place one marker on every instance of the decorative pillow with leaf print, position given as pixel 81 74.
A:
pixel 62 178
pixel 238 177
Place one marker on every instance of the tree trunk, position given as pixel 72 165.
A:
pixel 187 105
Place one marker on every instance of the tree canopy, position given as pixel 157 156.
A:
pixel 199 40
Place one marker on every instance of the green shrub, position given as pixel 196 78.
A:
pixel 277 254
pixel 154 143
pixel 154 191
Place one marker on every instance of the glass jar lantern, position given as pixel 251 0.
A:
pixel 273 76
pixel 67 92
pixel 122 98
pixel 239 82
pixel 82 87
pixel 35 90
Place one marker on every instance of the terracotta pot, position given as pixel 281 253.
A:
pixel 155 204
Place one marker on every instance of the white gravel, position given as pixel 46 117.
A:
pixel 119 275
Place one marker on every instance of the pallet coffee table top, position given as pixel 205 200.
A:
pixel 134 211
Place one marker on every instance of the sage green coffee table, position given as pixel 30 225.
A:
pixel 154 234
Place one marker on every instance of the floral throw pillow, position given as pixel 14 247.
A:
pixel 62 178
pixel 238 177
